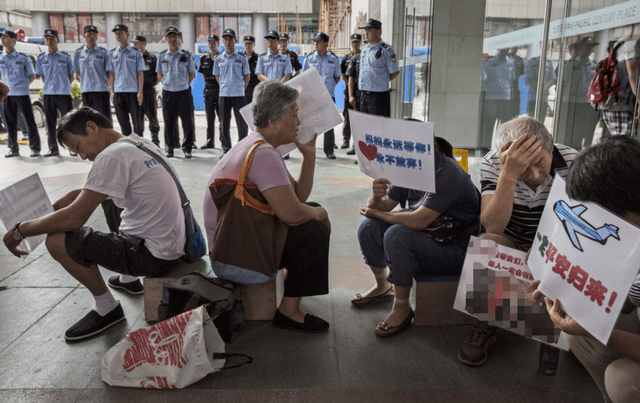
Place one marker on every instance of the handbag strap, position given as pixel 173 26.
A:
pixel 183 197
pixel 241 191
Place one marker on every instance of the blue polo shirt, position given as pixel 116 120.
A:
pixel 328 66
pixel 56 69
pixel 231 69
pixel 377 63
pixel 274 67
pixel 93 65
pixel 126 64
pixel 175 69
pixel 498 75
pixel 15 69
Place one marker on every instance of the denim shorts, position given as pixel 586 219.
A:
pixel 120 253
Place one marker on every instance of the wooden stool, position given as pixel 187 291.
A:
pixel 432 300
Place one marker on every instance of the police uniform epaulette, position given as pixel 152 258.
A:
pixel 20 53
pixel 99 47
pixel 113 49
pixel 40 55
pixel 64 53
pixel 262 54
pixel 385 45
pixel 186 52
pixel 163 51
pixel 331 51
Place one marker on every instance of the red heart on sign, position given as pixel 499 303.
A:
pixel 369 151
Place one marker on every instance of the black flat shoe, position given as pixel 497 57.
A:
pixel 312 324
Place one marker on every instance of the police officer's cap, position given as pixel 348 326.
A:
pixel 120 27
pixel 229 32
pixel 90 28
pixel 249 39
pixel 171 30
pixel 284 37
pixel 273 34
pixel 10 34
pixel 356 38
pixel 371 23
pixel 51 32
pixel 321 36
pixel 140 38
pixel 213 38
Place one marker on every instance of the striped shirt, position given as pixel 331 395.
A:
pixel 634 293
pixel 527 204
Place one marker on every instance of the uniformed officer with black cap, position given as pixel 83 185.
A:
pixel 378 66
pixel 232 72
pixel 252 59
pixel 273 64
pixel 149 93
pixel 356 40
pixel 56 70
pixel 127 82
pixel 283 44
pixel 16 71
pixel 211 91
pixel 176 70
pixel 93 67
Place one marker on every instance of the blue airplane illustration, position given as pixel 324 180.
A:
pixel 574 225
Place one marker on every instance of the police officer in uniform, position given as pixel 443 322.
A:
pixel 176 70
pixel 232 72
pixel 296 66
pixel 16 71
pixel 211 91
pixel 93 67
pixel 127 82
pixel 273 64
pixel 252 59
pixel 149 93
pixel 56 69
pixel 356 40
pixel 328 65
pixel 378 66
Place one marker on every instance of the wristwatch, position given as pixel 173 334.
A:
pixel 16 234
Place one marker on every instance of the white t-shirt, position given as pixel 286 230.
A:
pixel 141 186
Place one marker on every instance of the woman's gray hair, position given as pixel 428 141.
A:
pixel 511 130
pixel 272 101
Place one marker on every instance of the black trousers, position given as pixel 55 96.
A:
pixel 211 110
pixel 248 94
pixel 53 104
pixel 225 105
pixel 11 106
pixel 150 110
pixel 375 103
pixel 174 105
pixel 306 256
pixel 126 103
pixel 100 101
pixel 346 128
pixel 329 139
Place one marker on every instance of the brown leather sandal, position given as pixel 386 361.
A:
pixel 360 300
pixel 386 330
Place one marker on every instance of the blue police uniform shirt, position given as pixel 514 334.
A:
pixel 93 65
pixel 274 67
pixel 531 70
pixel 126 64
pixel 15 69
pixel 377 63
pixel 498 75
pixel 231 70
pixel 56 69
pixel 328 66
pixel 175 69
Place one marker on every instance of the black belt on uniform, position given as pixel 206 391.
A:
pixel 374 92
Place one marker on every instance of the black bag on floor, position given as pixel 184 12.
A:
pixel 222 301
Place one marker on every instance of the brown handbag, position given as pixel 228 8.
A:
pixel 249 238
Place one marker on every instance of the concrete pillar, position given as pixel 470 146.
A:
pixel 40 22
pixel 111 20
pixel 187 25
pixel 393 32
pixel 260 25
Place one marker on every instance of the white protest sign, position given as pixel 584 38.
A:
pixel 398 150
pixel 490 290
pixel 24 201
pixel 587 257
pixel 316 109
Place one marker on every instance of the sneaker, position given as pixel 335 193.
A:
pixel 34 153
pixel 135 287
pixel 312 324
pixel 345 144
pixel 331 156
pixel 474 350
pixel 93 324
pixel 187 155
pixel 352 151
pixel 52 153
pixel 11 154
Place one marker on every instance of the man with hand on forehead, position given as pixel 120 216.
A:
pixel 94 69
pixel 516 178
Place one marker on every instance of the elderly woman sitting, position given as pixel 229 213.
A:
pixel 306 249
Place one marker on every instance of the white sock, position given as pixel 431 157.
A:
pixel 105 303
pixel 127 279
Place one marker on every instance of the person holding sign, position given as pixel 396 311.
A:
pixel 152 234
pixel 600 174
pixel 429 237
pixel 516 178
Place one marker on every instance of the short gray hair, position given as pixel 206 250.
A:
pixel 272 101
pixel 511 130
